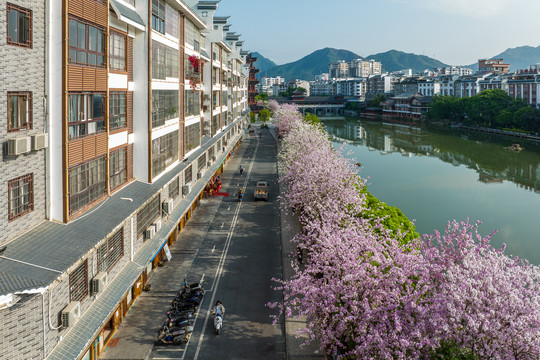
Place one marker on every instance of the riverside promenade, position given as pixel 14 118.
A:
pixel 258 249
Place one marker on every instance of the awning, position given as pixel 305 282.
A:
pixel 127 15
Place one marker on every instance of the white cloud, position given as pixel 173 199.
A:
pixel 478 8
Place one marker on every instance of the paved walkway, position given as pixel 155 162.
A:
pixel 134 340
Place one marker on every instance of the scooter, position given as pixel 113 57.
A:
pixel 174 336
pixel 218 323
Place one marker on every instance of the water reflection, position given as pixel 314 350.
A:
pixel 486 154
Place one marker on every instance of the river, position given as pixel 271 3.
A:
pixel 435 176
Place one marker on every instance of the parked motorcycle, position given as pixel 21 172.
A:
pixel 178 335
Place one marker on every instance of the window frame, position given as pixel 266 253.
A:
pixel 20 10
pixel 29 108
pixel 158 19
pixel 114 107
pixel 117 173
pixel 107 249
pixel 77 279
pixel 145 216
pixel 86 49
pixel 18 183
pixel 113 56
pixel 84 115
pixel 86 185
pixel 174 188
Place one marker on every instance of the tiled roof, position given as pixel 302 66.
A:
pixel 37 258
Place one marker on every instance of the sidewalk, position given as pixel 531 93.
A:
pixel 289 228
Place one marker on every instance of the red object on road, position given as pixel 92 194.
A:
pixel 221 194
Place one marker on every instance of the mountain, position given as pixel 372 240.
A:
pixel 307 67
pixel 395 60
pixel 262 62
pixel 520 57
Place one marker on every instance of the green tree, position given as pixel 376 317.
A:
pixel 301 89
pixel 264 115
pixel 312 119
pixel 252 116
pixel 377 100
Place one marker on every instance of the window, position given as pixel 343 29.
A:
pixel 192 103
pixel 86 44
pixel 78 282
pixel 201 162
pixel 131 2
pixel 19 111
pixel 86 114
pixel 87 182
pixel 19 26
pixel 148 214
pixel 117 51
pixel 215 98
pixel 164 61
pixel 111 251
pixel 172 21
pixel 117 110
pixel 193 136
pixel 164 152
pixel 174 188
pixel 188 174
pixel 158 15
pixel 192 35
pixel 21 196
pixel 224 98
pixel 117 168
pixel 215 124
pixel 164 106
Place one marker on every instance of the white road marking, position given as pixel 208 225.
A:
pixel 213 249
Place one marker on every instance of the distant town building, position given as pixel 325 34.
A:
pixel 454 70
pixel 321 88
pixel 381 84
pixel 323 76
pixel 338 69
pixel 364 68
pixel 493 65
pixel 351 87
pixel 525 84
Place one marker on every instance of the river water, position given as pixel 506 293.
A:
pixel 435 176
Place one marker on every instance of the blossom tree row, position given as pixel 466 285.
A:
pixel 368 294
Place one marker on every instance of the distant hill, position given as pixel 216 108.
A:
pixel 395 60
pixel 520 57
pixel 262 62
pixel 307 67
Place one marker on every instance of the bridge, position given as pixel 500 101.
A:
pixel 318 105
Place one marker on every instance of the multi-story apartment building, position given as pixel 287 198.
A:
pixel 493 65
pixel 525 85
pixel 351 87
pixel 364 68
pixel 447 84
pixel 380 84
pixel 429 86
pixel 338 69
pixel 110 139
pixel 321 88
pixel 454 70
pixel 23 107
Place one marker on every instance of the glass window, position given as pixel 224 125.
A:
pixel 111 251
pixel 86 114
pixel 87 183
pixel 172 21
pixel 188 174
pixel 192 105
pixel 193 136
pixel 158 15
pixel 164 61
pixel 193 35
pixel 19 26
pixel 117 110
pixel 117 51
pixel 164 106
pixel 86 45
pixel 19 111
pixel 20 196
pixel 148 214
pixel 174 188
pixel 117 168
pixel 78 282
pixel 164 152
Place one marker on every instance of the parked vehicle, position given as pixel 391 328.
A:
pixel 261 190
pixel 174 335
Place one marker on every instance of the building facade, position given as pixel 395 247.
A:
pixel 118 113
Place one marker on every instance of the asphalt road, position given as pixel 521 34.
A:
pixel 238 256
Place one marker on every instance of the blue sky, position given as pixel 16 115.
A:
pixel 456 32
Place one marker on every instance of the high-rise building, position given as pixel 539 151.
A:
pixel 118 113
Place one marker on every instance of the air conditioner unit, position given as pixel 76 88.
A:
pixel 157 225
pixel 186 189
pixel 39 141
pixel 19 145
pixel 99 282
pixel 168 206
pixel 150 232
pixel 207 97
pixel 199 175
pixel 208 164
pixel 225 143
pixel 71 314
pixel 213 157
